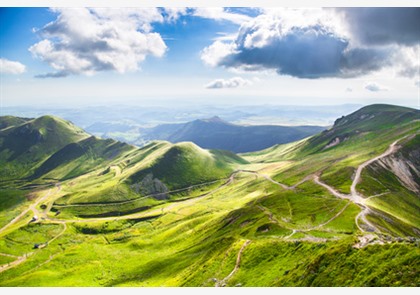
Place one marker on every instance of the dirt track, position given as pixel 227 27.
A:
pixel 223 282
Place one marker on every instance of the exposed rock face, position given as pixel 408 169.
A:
pixel 332 143
pixel 404 164
pixel 406 171
pixel 151 186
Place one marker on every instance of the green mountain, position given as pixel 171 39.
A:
pixel 24 146
pixel 81 157
pixel 9 121
pixel 185 163
pixel 340 208
pixel 214 133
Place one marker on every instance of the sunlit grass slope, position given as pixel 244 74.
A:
pixel 178 215
pixel 186 164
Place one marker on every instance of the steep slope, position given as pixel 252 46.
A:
pixel 81 157
pixel 24 147
pixel 358 144
pixel 215 133
pixel 9 121
pixel 394 183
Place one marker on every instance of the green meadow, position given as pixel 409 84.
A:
pixel 112 214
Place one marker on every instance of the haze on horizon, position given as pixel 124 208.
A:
pixel 221 56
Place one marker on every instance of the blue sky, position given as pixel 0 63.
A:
pixel 209 55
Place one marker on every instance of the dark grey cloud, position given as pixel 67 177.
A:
pixel 304 52
pixel 360 61
pixel 311 52
pixel 383 25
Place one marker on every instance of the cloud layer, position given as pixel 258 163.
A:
pixel 85 41
pixel 322 43
pixel 11 67
pixel 228 83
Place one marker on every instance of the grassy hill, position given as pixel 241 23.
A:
pixel 185 164
pixel 81 157
pixel 25 146
pixel 290 215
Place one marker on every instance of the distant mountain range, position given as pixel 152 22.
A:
pixel 215 133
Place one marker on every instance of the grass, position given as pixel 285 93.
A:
pixel 27 145
pixel 22 241
pixel 186 164
pixel 193 237
pixel 273 263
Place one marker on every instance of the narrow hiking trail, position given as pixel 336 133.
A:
pixel 16 262
pixel 222 283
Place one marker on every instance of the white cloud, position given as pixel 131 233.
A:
pixel 11 67
pixel 214 54
pixel 220 13
pixel 172 14
pixel 374 87
pixel 234 82
pixel 85 41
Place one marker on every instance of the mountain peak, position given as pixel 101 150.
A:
pixel 385 113
pixel 214 119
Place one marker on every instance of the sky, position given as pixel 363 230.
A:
pixel 262 55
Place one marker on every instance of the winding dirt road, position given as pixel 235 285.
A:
pixel 222 283
pixel 391 149
pixel 354 196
